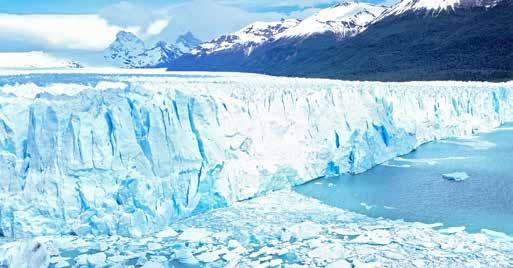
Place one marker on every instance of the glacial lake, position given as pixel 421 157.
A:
pixel 412 188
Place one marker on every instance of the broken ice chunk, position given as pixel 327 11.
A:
pixel 453 230
pixel 302 231
pixel 97 259
pixel 496 235
pixel 28 255
pixel 184 255
pixel 374 237
pixel 194 235
pixel 366 206
pixel 233 244
pixel 152 264
pixel 167 233
pixel 456 176
pixel 62 264
pixel 275 262
pixel 208 257
pixel 359 264
pixel 340 264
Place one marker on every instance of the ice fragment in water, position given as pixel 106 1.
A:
pixel 456 176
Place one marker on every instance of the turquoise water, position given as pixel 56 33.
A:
pixel 412 187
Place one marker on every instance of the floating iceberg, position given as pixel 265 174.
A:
pixel 456 176
pixel 367 206
pixel 129 154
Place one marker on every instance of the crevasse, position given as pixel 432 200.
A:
pixel 129 154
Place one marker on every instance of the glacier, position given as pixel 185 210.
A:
pixel 129 153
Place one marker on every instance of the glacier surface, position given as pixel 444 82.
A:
pixel 90 152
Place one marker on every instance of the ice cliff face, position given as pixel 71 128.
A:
pixel 130 154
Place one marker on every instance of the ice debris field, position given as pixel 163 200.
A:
pixel 99 164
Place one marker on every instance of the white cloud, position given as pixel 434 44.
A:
pixel 278 3
pixel 47 32
pixel 156 27
pixel 127 14
pixel 206 19
pixel 150 20
pixel 302 14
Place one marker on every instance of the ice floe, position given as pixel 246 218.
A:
pixel 194 235
pixel 28 254
pixel 367 206
pixel 166 233
pixel 473 142
pixel 456 176
pixel 250 234
pixel 428 161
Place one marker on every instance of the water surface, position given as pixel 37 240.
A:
pixel 412 188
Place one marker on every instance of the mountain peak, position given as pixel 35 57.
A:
pixel 126 36
pixel 436 6
pixel 162 44
pixel 247 38
pixel 128 50
pixel 187 41
pixel 344 4
pixel 127 42
pixel 187 36
pixel 343 19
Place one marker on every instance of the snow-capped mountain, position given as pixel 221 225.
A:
pixel 327 27
pixel 413 40
pixel 435 6
pixel 125 50
pixel 247 38
pixel 129 51
pixel 34 59
pixel 416 5
pixel 162 52
pixel 344 19
pixel 186 42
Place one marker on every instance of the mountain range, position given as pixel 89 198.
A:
pixel 129 51
pixel 322 30
pixel 411 40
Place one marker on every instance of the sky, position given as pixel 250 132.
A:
pixel 91 25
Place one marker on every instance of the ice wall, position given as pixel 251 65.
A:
pixel 129 154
